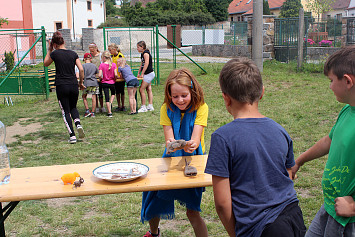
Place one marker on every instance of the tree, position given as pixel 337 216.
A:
pixel 3 21
pixel 320 6
pixel 266 8
pixel 218 9
pixel 110 7
pixel 290 8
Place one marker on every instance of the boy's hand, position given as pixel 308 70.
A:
pixel 81 86
pixel 294 169
pixel 190 146
pixel 345 206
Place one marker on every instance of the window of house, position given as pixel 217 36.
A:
pixel 89 23
pixel 58 25
pixel 339 17
pixel 89 5
pixel 231 18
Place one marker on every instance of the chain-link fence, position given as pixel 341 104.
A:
pixel 21 59
pixel 127 38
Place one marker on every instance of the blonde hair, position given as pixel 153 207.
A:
pixel 115 46
pixel 122 61
pixel 106 57
pixel 184 77
pixel 93 45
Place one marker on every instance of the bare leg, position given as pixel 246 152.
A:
pixel 198 224
pixel 85 100
pixel 154 224
pixel 150 94
pixel 132 100
pixel 94 101
pixel 142 91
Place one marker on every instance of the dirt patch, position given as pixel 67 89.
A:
pixel 21 130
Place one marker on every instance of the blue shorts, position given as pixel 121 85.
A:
pixel 133 83
pixel 324 225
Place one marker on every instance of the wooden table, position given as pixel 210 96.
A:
pixel 44 182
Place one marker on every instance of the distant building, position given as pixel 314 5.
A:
pixel 53 14
pixel 239 9
pixel 340 8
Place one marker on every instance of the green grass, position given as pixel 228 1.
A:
pixel 301 102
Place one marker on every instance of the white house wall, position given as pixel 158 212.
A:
pixel 46 13
pixel 82 15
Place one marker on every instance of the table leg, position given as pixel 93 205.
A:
pixel 4 213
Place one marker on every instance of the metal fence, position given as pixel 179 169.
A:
pixel 237 34
pixel 351 31
pixel 19 73
pixel 127 38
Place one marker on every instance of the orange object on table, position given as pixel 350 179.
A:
pixel 69 178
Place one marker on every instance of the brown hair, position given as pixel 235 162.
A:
pixel 142 44
pixel 240 78
pixel 57 38
pixel 115 46
pixel 94 46
pixel 184 77
pixel 341 62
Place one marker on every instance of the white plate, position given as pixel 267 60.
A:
pixel 120 171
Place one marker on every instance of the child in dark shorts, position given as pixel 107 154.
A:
pixel 250 160
pixel 132 83
pixel 91 85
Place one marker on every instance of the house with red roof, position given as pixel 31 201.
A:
pixel 239 9
pixel 340 8
pixel 351 8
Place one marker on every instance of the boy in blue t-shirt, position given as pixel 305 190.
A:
pixel 336 216
pixel 250 160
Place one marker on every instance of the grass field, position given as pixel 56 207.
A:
pixel 301 102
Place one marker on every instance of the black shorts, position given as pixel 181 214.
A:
pixel 289 223
pixel 119 87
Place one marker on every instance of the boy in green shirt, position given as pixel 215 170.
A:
pixel 337 215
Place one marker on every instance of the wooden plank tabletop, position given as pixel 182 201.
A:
pixel 44 182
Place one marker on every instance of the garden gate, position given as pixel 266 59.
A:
pixel 286 39
pixel 24 49
pixel 351 31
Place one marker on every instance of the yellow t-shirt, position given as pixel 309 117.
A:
pixel 201 119
pixel 115 58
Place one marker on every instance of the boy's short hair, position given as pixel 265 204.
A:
pixel 240 78
pixel 341 62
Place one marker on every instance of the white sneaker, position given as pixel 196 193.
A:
pixel 72 140
pixel 97 110
pixel 142 109
pixel 80 131
pixel 150 107
pixel 103 109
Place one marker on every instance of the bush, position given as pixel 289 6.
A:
pixel 113 22
pixel 9 60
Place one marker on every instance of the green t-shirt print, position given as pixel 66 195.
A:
pixel 339 172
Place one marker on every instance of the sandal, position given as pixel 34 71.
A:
pixel 132 113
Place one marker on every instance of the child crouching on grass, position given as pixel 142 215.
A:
pixel 250 160
pixel 132 83
pixel 91 85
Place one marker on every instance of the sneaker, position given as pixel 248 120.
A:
pixel 133 113
pixel 103 110
pixel 97 110
pixel 109 115
pixel 87 114
pixel 123 109
pixel 118 109
pixel 150 107
pixel 92 115
pixel 149 234
pixel 142 109
pixel 72 140
pixel 80 131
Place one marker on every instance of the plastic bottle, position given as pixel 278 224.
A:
pixel 4 157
